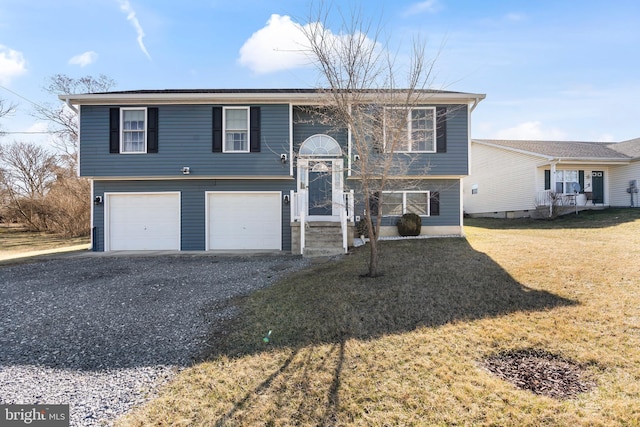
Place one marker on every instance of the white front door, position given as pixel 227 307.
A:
pixel 322 180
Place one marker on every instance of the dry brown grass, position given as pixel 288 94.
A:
pixel 406 348
pixel 15 239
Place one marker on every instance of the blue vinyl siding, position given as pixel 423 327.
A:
pixel 192 208
pixel 304 126
pixel 452 163
pixel 184 139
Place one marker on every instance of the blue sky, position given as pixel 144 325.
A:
pixel 551 69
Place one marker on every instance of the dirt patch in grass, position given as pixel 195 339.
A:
pixel 540 372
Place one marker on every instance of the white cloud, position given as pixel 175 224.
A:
pixel 531 131
pixel 280 45
pixel 12 64
pixel 283 45
pixel 428 6
pixel 84 59
pixel 125 6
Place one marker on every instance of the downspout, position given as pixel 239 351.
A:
pixel 70 105
pixel 475 104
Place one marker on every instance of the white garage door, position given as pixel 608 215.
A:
pixel 142 221
pixel 244 220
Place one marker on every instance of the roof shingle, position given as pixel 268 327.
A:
pixel 568 149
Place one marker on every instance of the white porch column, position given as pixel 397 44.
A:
pixel 553 186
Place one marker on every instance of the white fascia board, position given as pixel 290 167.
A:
pixel 591 161
pixel 241 98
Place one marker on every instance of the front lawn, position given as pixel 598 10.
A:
pixel 414 346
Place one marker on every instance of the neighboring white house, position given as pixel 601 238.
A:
pixel 513 178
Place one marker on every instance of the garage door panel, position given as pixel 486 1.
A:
pixel 144 222
pixel 244 221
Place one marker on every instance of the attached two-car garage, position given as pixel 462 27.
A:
pixel 233 221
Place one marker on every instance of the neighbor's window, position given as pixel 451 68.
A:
pixel 410 130
pixel 566 181
pixel 401 202
pixel 236 129
pixel 133 130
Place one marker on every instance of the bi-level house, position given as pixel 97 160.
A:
pixel 233 170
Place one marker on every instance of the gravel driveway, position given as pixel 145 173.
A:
pixel 99 333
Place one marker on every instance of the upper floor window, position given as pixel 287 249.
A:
pixel 410 130
pixel 134 130
pixel 236 129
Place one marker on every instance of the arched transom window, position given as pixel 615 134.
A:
pixel 320 145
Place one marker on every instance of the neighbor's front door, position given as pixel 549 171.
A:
pixel 597 183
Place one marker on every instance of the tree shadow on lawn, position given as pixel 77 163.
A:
pixel 601 218
pixel 428 282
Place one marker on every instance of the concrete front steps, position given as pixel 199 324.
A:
pixel 322 238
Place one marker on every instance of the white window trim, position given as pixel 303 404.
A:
pixel 224 129
pixel 564 181
pixel 404 201
pixel 409 123
pixel 146 123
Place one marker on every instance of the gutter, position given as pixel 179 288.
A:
pixel 70 105
pixel 160 98
pixel 475 103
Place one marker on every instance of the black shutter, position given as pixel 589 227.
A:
pixel 581 181
pixel 441 129
pixel 374 200
pixel 254 129
pixel 217 129
pixel 114 130
pixel 152 130
pixel 434 203
pixel 547 179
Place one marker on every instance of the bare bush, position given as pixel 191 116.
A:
pixel 40 191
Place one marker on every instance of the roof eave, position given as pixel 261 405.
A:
pixel 515 150
pixel 590 160
pixel 239 97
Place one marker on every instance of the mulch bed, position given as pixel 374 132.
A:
pixel 540 372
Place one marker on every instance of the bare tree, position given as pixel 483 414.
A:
pixel 27 173
pixel 6 109
pixel 362 80
pixel 63 121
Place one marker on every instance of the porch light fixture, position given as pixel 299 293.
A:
pixel 97 201
pixel 186 170
pixel 285 199
pixel 283 158
pixel 356 158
